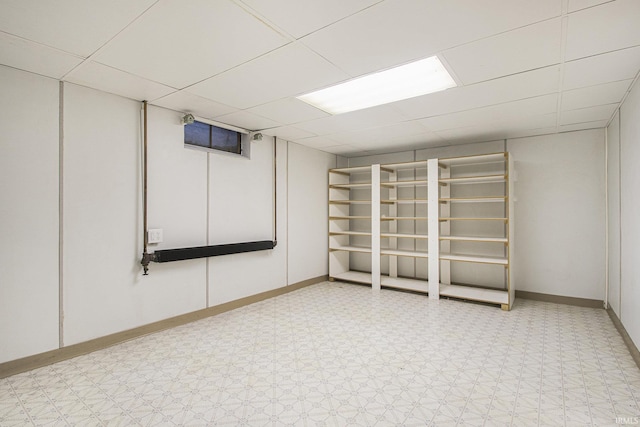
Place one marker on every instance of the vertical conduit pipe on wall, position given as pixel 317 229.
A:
pixel 146 258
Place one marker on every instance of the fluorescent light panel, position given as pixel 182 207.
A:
pixel 403 82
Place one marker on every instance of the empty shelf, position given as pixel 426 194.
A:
pixel 475 159
pixel 474 258
pixel 349 233
pixel 472 219
pixel 351 170
pixel 412 254
pixel 474 200
pixel 421 164
pixel 349 202
pixel 348 217
pixel 350 186
pixel 494 296
pixel 393 218
pixel 407 201
pixel 351 249
pixel 474 179
pixel 475 239
pixel 401 235
pixel 353 276
pixel 408 284
pixel 420 182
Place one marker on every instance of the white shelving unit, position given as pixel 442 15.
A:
pixel 434 217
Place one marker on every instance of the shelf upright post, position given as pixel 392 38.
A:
pixel 375 227
pixel 433 227
pixel 445 228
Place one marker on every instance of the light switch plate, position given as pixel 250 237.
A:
pixel 155 235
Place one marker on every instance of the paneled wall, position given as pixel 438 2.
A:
pixel 196 197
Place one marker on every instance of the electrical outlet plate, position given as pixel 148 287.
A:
pixel 155 235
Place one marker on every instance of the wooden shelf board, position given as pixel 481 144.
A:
pixel 421 164
pixel 407 284
pixel 474 200
pixel 481 158
pixel 417 183
pixel 354 169
pixel 494 296
pixel 472 179
pixel 349 233
pixel 475 239
pixel 335 218
pixel 393 218
pixel 407 201
pixel 351 249
pixel 411 254
pixel 353 276
pixel 474 258
pixel 350 186
pixel 400 235
pixel 472 219
pixel 349 202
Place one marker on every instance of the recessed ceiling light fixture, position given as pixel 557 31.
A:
pixel 395 84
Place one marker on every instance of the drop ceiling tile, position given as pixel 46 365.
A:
pixel 290 133
pixel 290 70
pixel 34 57
pixel 575 5
pixel 502 128
pixel 75 26
pixel 381 36
pixel 107 79
pixel 609 67
pixel 318 142
pixel 288 111
pixel 527 48
pixel 583 126
pixel 608 93
pixel 301 17
pixel 362 119
pixel 248 121
pixel 510 88
pixel 496 113
pixel 343 149
pixel 608 27
pixel 385 134
pixel 188 103
pixel 181 43
pixel 590 114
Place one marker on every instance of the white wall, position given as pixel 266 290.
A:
pixel 308 193
pixel 28 214
pixel 630 213
pixel 560 213
pixel 613 212
pixel 104 291
pixel 196 197
pixel 241 210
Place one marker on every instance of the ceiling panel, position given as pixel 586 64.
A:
pixel 181 43
pixel 188 103
pixel 36 58
pixel 344 150
pixel 575 5
pixel 605 68
pixel 510 88
pixel 107 79
pixel 288 111
pixel 508 111
pixel 527 48
pixel 582 126
pixel 502 127
pixel 289 133
pixel 603 28
pixel 301 17
pixel 75 26
pixel 290 70
pixel 355 120
pixel 607 93
pixel 383 134
pixel 590 114
pixel 377 38
pixel 248 121
pixel 318 142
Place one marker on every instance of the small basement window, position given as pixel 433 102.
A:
pixel 208 136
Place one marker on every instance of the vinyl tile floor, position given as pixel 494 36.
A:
pixel 336 354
